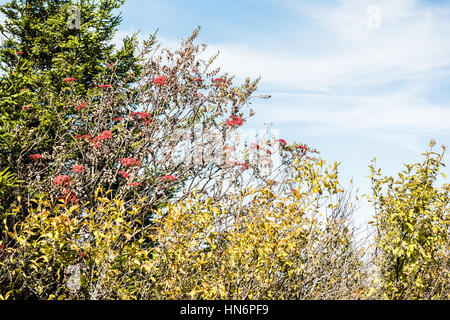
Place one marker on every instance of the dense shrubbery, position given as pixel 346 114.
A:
pixel 273 245
pixel 277 246
pixel 412 231
pixel 140 187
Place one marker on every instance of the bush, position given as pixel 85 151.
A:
pixel 62 252
pixel 267 244
pixel 277 246
pixel 106 141
pixel 412 231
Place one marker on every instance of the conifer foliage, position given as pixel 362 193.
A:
pixel 52 48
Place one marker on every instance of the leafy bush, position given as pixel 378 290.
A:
pixel 412 231
pixel 62 252
pixel 273 245
pixel 7 182
pixel 108 142
pixel 277 246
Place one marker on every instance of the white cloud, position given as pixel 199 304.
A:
pixel 407 141
pixel 412 41
pixel 397 118
pixel 412 47
pixel 344 113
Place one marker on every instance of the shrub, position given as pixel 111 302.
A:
pixel 266 245
pixel 125 140
pixel 412 231
pixel 272 246
pixel 62 252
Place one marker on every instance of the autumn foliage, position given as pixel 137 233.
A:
pixel 147 189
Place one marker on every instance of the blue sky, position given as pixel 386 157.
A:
pixel 349 89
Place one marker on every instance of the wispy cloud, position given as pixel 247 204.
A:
pixel 349 77
pixel 413 40
pixel 398 112
pixel 368 81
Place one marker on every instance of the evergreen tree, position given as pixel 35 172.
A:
pixel 47 45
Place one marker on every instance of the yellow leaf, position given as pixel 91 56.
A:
pixel 432 143
pixel 147 266
pixel 120 220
